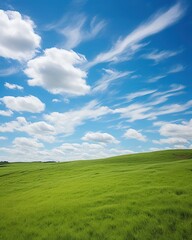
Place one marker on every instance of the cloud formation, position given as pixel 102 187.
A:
pixel 6 113
pixel 158 56
pixel 108 78
pixel 75 32
pixel 38 130
pixel 13 86
pixel 56 72
pixel 23 104
pixel 99 137
pixel 134 134
pixel 183 130
pixel 155 24
pixel 18 39
pixel 67 122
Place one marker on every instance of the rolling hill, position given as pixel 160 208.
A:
pixel 138 196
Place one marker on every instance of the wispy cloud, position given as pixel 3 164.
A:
pixel 155 24
pixel 159 56
pixel 156 78
pixel 13 86
pixel 152 107
pixel 109 77
pixel 79 30
pixel 177 68
pixel 174 69
pixel 138 94
pixel 66 122
pixel 8 71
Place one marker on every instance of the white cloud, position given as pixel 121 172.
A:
pixel 175 88
pixel 99 137
pixel 138 111
pixel 134 134
pixel 109 77
pixel 172 141
pixel 3 138
pixel 149 109
pixel 8 71
pixel 18 39
pixel 23 104
pixel 82 151
pixel 75 32
pixel 13 86
pixel 92 151
pixel 33 151
pixel 56 100
pixel 177 68
pixel 56 72
pixel 180 147
pixel 67 122
pixel 155 24
pixel 159 56
pixel 6 113
pixel 138 94
pixel 183 130
pixel 154 149
pixel 23 142
pixel 56 123
pixel 38 130
pixel 156 78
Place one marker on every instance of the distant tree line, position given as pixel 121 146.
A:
pixel 3 162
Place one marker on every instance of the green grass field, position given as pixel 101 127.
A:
pixel 141 196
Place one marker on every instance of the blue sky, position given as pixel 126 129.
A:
pixel 87 79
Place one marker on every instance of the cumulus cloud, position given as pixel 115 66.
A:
pixel 18 38
pixel 56 123
pixel 56 72
pixel 183 130
pixel 155 24
pixel 56 100
pixel 23 104
pixel 81 151
pixel 99 137
pixel 23 142
pixel 13 86
pixel 34 151
pixel 6 113
pixel 134 134
pixel 38 130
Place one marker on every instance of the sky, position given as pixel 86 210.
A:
pixel 84 79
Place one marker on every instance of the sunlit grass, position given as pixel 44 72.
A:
pixel 142 196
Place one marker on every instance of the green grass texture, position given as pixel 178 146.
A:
pixel 132 197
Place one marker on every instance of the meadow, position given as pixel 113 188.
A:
pixel 132 197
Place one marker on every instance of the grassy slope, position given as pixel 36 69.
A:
pixel 142 196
